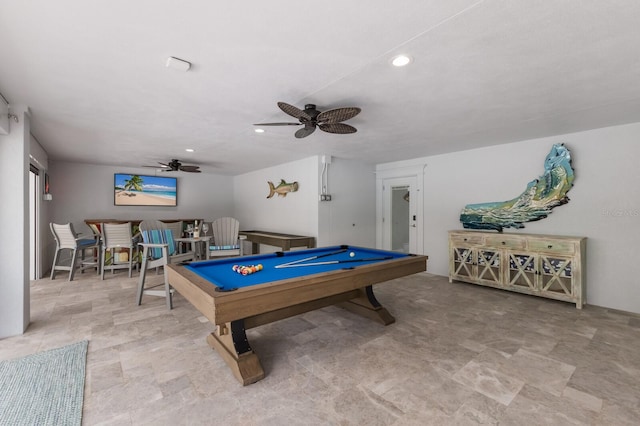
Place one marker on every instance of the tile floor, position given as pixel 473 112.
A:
pixel 458 354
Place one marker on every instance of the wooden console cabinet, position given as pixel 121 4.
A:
pixel 541 265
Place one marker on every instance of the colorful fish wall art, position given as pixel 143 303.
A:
pixel 535 203
pixel 282 189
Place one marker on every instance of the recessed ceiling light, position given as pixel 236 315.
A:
pixel 401 60
pixel 190 150
pixel 259 130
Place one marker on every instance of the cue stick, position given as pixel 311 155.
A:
pixel 284 265
pixel 332 262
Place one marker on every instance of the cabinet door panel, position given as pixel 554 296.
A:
pixel 556 275
pixel 489 266
pixel 463 262
pixel 522 271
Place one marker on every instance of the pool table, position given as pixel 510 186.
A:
pixel 290 283
pixel 285 241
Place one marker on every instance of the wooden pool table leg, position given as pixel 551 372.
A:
pixel 368 306
pixel 230 341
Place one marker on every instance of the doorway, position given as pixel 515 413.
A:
pixel 34 232
pixel 400 225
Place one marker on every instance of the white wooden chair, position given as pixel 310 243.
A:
pixel 116 239
pixel 67 239
pixel 158 250
pixel 226 242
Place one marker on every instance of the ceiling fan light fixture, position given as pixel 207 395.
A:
pixel 401 60
pixel 259 130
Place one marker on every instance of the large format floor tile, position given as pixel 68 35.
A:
pixel 458 354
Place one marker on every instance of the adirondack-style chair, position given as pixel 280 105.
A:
pixel 226 242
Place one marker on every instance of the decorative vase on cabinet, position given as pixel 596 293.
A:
pixel 549 266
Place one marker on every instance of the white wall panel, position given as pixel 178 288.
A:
pixel 604 202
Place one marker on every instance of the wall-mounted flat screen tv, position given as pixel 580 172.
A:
pixel 141 190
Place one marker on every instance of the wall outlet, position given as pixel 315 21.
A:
pixel 325 197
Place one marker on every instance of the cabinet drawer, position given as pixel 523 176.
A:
pixel 506 241
pixel 465 239
pixel 552 246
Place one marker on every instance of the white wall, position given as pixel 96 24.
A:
pixel 604 202
pixel 297 213
pixel 85 191
pixel 4 118
pixel 14 225
pixel 348 219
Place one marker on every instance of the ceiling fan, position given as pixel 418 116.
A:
pixel 327 121
pixel 175 165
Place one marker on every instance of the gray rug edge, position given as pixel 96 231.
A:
pixel 44 388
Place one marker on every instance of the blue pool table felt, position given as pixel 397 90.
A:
pixel 221 274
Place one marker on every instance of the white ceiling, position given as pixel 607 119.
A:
pixel 484 73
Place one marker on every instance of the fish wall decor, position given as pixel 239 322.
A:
pixel 535 203
pixel 282 189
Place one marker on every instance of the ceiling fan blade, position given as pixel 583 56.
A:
pixel 190 169
pixel 339 128
pixel 305 131
pixel 277 124
pixel 337 115
pixel 294 112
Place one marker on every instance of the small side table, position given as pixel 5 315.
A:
pixel 196 244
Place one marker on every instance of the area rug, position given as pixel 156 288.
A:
pixel 46 388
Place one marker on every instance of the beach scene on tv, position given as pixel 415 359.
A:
pixel 139 190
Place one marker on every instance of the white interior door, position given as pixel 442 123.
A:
pixel 399 219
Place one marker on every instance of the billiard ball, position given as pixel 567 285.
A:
pixel 352 254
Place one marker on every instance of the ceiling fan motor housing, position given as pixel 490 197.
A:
pixel 311 111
